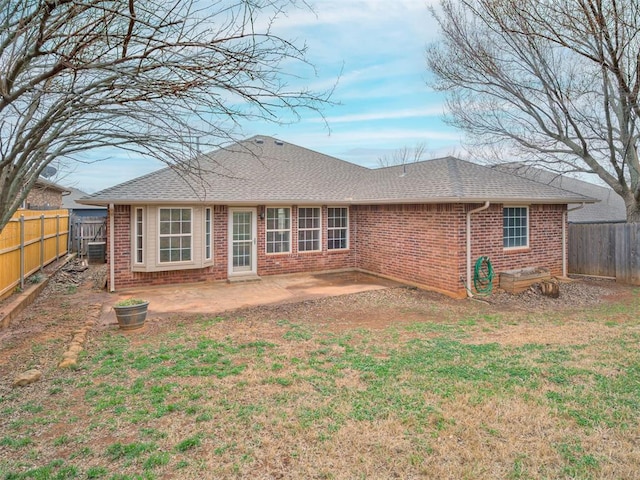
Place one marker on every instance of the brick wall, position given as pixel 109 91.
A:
pixel 545 239
pixel 426 244
pixel 125 278
pixel 268 264
pixel 415 243
pixel 421 244
pixel 43 198
pixel 295 262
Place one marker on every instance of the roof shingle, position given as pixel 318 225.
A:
pixel 609 209
pixel 263 170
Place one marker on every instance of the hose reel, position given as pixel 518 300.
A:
pixel 483 276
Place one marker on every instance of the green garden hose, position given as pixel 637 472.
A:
pixel 483 276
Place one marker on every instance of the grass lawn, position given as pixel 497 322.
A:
pixel 442 390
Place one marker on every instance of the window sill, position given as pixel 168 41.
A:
pixel 169 267
pixel 516 250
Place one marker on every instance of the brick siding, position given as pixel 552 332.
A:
pixel 426 244
pixel 420 244
pixel 43 198
pixel 414 243
pixel 126 278
pixel 296 262
pixel 545 239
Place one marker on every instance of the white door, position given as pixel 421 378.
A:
pixel 243 248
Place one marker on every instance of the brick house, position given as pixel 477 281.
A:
pixel 266 207
pixel 45 195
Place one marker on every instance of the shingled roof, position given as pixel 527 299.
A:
pixel 609 209
pixel 263 170
pixel 70 201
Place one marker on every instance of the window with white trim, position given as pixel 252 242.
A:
pixel 309 225
pixel 278 230
pixel 515 227
pixel 175 235
pixel 337 228
pixel 139 235
pixel 208 230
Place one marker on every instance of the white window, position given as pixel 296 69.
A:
pixel 139 235
pixel 175 235
pixel 278 230
pixel 309 225
pixel 337 228
pixel 208 230
pixel 515 227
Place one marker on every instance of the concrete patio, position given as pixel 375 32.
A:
pixel 217 297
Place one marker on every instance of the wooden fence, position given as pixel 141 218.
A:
pixel 31 240
pixel 85 230
pixel 608 250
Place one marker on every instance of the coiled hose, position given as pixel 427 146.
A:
pixel 483 276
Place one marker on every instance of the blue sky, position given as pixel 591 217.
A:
pixel 377 47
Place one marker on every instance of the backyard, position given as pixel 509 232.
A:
pixel 395 383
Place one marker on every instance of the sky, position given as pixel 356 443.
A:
pixel 375 51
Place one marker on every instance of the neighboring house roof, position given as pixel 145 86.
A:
pixel 70 201
pixel 268 171
pixel 49 185
pixel 609 209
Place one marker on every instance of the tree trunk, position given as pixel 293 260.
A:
pixel 633 209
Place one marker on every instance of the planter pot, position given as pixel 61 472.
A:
pixel 131 317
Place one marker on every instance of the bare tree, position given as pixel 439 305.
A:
pixel 147 76
pixel 556 81
pixel 403 156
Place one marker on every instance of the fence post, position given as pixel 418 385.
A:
pixel 41 242
pixel 22 252
pixel 57 236
pixel 70 235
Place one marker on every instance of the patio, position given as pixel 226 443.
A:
pixel 217 297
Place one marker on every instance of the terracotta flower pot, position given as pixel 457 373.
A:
pixel 131 317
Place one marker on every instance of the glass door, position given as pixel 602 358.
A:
pixel 242 241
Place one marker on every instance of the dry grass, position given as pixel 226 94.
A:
pixel 393 384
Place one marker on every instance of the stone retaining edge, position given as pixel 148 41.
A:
pixel 13 306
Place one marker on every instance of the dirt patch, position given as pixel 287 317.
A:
pixel 380 309
pixel 37 337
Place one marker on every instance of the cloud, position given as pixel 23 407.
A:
pixel 366 29
pixel 352 13
pixel 375 136
pixel 340 141
pixel 382 101
pixel 107 167
pixel 385 115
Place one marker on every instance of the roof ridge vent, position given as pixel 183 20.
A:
pixel 278 142
pixel 259 141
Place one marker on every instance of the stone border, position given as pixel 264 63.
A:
pixel 70 356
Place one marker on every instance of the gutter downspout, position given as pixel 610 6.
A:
pixel 565 215
pixel 112 250
pixel 479 209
